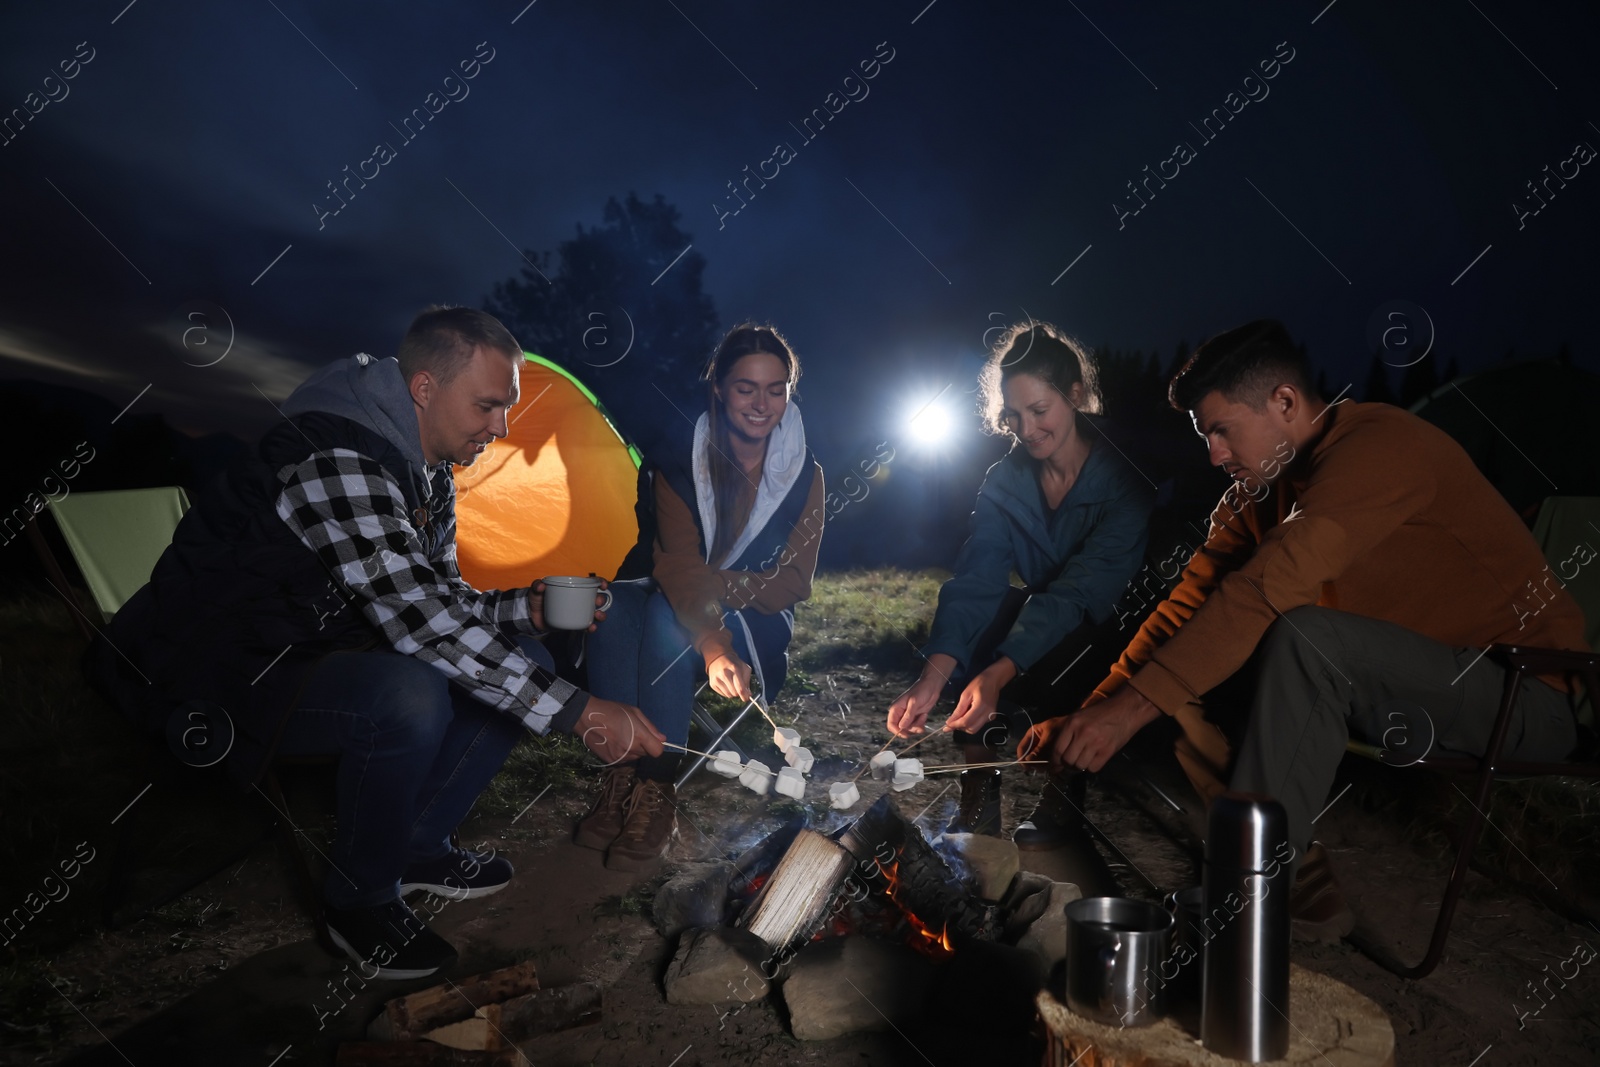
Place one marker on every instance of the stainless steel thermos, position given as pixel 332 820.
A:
pixel 1245 1002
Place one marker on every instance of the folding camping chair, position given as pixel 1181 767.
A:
pixel 1562 523
pixel 116 538
pixel 699 716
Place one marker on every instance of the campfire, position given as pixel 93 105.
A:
pixel 875 889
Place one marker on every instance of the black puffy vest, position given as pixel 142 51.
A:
pixel 238 611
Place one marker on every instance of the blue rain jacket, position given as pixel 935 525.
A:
pixel 1075 564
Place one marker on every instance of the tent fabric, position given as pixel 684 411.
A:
pixel 555 496
pixel 1568 531
pixel 116 537
pixel 1528 426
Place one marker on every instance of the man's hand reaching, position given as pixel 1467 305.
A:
pixel 617 732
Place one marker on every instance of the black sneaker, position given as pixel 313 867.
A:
pixel 1059 817
pixel 390 939
pixel 979 812
pixel 459 875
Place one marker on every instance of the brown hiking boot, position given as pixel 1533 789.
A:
pixel 1317 908
pixel 649 822
pixel 601 826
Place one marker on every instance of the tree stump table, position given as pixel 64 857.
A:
pixel 1331 1024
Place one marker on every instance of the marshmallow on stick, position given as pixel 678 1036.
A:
pixel 790 783
pixel 843 794
pixel 757 777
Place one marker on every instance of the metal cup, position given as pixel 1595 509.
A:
pixel 1185 968
pixel 1115 950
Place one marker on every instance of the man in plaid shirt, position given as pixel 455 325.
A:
pixel 314 595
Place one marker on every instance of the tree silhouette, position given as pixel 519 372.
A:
pixel 1378 390
pixel 621 306
pixel 1420 379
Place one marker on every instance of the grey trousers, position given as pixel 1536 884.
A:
pixel 1325 676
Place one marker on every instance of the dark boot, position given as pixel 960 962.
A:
pixel 601 826
pixel 1317 908
pixel 979 812
pixel 1059 817
pixel 647 828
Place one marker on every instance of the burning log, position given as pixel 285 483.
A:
pixel 795 899
pixel 895 857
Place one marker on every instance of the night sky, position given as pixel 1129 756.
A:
pixel 1379 153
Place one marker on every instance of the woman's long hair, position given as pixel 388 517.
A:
pixel 1047 353
pixel 727 480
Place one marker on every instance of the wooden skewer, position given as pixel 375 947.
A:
pixel 930 735
pixel 761 706
pixel 708 755
pixel 691 751
pixel 980 766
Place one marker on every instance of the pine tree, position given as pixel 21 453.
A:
pixel 1378 390
pixel 602 294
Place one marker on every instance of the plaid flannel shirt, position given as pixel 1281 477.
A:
pixel 348 510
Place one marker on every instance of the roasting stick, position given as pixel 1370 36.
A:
pixel 930 735
pixel 980 766
pixel 697 752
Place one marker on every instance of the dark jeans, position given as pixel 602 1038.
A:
pixel 641 655
pixel 1323 676
pixel 414 753
pixel 1056 685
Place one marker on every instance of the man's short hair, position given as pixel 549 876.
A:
pixel 1245 364
pixel 442 339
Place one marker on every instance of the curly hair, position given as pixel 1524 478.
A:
pixel 1047 353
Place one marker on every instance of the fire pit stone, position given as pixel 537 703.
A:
pixel 1047 935
pixel 717 965
pixel 992 862
pixel 854 983
pixel 696 895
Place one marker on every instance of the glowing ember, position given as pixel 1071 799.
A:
pixel 923 939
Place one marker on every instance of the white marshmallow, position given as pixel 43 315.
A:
pixel 800 759
pixel 727 763
pixel 883 765
pixel 843 794
pixel 786 738
pixel 791 783
pixel 757 777
pixel 907 773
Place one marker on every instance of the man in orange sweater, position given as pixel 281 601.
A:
pixel 1361 564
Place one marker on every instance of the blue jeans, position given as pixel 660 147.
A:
pixel 414 753
pixel 641 655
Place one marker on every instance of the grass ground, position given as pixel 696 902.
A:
pixel 69 766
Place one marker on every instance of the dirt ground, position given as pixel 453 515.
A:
pixel 231 975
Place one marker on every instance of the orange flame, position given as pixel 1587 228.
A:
pixel 933 945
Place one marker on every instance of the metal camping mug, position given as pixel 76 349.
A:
pixel 1115 950
pixel 569 603
pixel 1185 967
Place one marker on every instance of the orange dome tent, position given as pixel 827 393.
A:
pixel 555 496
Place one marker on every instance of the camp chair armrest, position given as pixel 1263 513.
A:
pixel 1545 660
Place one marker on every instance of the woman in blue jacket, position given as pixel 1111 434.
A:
pixel 1066 513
